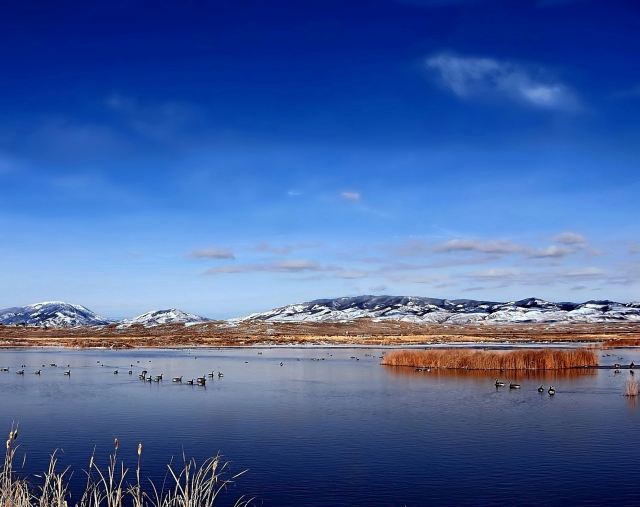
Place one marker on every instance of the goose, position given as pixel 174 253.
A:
pixel 37 372
pixel 190 382
pixel 20 372
pixel 130 372
pixel 176 379
pixel 541 389
pixel 68 373
pixel 202 381
pixel 115 372
pixel 220 374
pixel 149 379
pixel 156 379
pixel 4 369
pixel 617 365
pixel 210 375
pixel 499 383
pixel 551 391
pixel 280 363
pixel 53 364
pixel 632 365
pixel 514 386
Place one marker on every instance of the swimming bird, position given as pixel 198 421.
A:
pixel 220 374
pixel 115 372
pixel 4 369
pixel 130 372
pixel 176 379
pixel 551 391
pixel 37 372
pixel 632 365
pixel 68 372
pixel 514 386
pixel 190 382
pixel 499 383
pixel 20 372
pixel 541 389
pixel 210 375
pixel 280 363
pixel 202 381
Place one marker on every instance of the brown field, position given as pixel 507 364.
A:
pixel 478 359
pixel 361 332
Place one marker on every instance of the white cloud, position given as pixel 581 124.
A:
pixel 468 77
pixel 553 252
pixel 350 196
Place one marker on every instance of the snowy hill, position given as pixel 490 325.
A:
pixel 51 314
pixel 158 317
pixel 454 311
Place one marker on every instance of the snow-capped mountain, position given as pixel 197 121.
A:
pixel 51 314
pixel 454 311
pixel 157 317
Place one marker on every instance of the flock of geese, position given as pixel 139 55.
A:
pixel 513 385
pixel 201 381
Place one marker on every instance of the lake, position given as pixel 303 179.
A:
pixel 333 431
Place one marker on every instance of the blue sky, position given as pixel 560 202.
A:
pixel 227 157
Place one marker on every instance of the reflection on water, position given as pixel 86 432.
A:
pixel 327 429
pixel 489 376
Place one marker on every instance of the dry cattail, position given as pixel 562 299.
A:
pixel 139 448
pixel 8 443
pixel 91 463
pixel 15 434
pixel 115 443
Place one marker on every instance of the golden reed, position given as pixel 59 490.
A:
pixel 475 359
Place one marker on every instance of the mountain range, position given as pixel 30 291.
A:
pixel 402 308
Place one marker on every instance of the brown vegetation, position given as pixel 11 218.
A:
pixel 359 332
pixel 474 359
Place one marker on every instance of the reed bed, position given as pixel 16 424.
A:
pixel 475 359
pixel 192 485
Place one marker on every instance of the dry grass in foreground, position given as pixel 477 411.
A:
pixel 473 359
pixel 193 486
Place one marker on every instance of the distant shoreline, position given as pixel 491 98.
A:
pixel 363 332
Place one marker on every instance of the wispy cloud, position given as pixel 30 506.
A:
pixel 211 253
pixel 499 247
pixel 285 266
pixel 350 196
pixel 284 249
pixel 570 238
pixel 158 120
pixel 477 77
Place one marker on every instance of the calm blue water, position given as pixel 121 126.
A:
pixel 333 432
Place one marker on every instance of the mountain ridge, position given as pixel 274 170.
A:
pixel 415 309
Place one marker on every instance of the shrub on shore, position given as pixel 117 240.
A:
pixel 193 485
pixel 475 359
